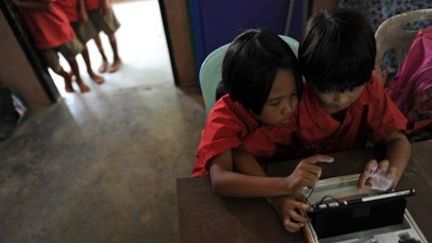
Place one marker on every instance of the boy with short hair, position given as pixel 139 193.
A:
pixel 52 33
pixel 84 30
pixel 344 105
pixel 103 18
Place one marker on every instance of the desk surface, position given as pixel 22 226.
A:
pixel 206 217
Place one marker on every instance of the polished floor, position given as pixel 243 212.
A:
pixel 101 167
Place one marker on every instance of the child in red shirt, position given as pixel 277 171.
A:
pixel 103 18
pixel 51 32
pixel 344 105
pixel 84 30
pixel 260 74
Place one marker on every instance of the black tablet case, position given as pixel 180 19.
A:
pixel 357 217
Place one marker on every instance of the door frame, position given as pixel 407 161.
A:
pixel 15 21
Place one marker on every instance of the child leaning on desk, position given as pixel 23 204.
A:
pixel 261 75
pixel 343 105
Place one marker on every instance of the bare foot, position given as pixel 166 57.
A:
pixel 83 87
pixel 96 78
pixel 115 66
pixel 103 67
pixel 70 73
pixel 69 88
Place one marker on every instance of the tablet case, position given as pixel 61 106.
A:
pixel 343 219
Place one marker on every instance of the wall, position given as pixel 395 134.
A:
pixel 16 71
pixel 177 21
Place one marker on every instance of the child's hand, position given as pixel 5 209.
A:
pixel 306 174
pixel 372 170
pixel 290 212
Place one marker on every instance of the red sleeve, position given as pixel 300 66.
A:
pixel 261 143
pixel 223 131
pixel 384 117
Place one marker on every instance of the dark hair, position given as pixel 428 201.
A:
pixel 250 64
pixel 337 50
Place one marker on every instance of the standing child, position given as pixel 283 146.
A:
pixel 84 30
pixel 52 33
pixel 102 16
pixel 344 105
pixel 260 73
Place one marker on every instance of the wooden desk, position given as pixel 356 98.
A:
pixel 206 217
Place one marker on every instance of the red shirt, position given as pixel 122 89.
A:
pixel 49 28
pixel 228 126
pixel 71 9
pixel 91 5
pixel 372 117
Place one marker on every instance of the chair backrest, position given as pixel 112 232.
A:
pixel 211 71
pixel 397 33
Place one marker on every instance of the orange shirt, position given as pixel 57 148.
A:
pixel 91 5
pixel 71 9
pixel 229 126
pixel 372 117
pixel 49 28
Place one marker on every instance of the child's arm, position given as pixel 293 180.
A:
pixel 398 155
pixel 287 207
pixel 33 5
pixel 225 181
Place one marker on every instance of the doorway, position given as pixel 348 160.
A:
pixel 142 46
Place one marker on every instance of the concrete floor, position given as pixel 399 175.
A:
pixel 99 168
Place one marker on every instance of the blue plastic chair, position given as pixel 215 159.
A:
pixel 211 71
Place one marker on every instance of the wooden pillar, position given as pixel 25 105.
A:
pixel 178 32
pixel 17 72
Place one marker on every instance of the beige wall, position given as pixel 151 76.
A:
pixel 15 70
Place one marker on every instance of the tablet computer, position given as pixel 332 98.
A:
pixel 339 208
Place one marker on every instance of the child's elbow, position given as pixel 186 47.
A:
pixel 216 186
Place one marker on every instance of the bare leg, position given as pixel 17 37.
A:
pixel 75 69
pixel 104 66
pixel 66 76
pixel 96 78
pixel 117 61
